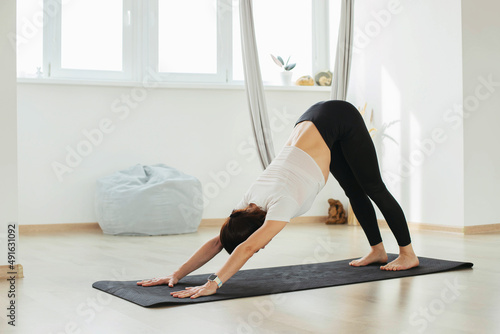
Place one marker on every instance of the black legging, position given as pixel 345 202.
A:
pixel 354 164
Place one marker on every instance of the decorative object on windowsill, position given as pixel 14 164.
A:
pixel 286 74
pixel 39 73
pixel 323 78
pixel 305 80
pixel 336 213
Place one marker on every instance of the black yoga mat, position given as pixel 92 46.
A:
pixel 265 281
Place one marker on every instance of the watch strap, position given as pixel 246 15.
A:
pixel 215 279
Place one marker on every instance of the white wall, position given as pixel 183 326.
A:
pixel 407 67
pixel 481 54
pixel 408 72
pixel 8 122
pixel 198 131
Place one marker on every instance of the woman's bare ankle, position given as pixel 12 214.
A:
pixel 378 248
pixel 406 250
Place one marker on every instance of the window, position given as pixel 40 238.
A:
pixel 282 27
pixel 178 41
pixel 334 21
pixel 88 39
pixel 29 37
pixel 187 40
pixel 92 39
pixel 193 46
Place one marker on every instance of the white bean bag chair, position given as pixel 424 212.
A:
pixel 148 200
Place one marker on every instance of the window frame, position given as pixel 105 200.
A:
pixel 321 35
pixel 52 46
pixel 224 34
pixel 140 46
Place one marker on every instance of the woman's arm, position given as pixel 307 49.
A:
pixel 247 249
pixel 238 258
pixel 204 254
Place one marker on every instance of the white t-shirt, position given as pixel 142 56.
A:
pixel 287 187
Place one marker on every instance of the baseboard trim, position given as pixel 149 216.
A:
pixel 7 272
pixel 476 229
pixel 217 222
pixel 211 222
pixel 310 219
pixel 78 227
pixel 51 228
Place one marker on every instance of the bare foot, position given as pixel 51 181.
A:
pixel 406 260
pixel 376 255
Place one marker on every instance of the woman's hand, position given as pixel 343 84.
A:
pixel 171 280
pixel 207 289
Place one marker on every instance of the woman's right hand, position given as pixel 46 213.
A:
pixel 171 280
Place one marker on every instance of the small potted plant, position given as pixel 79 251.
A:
pixel 286 74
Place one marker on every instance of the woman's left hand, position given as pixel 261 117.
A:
pixel 206 289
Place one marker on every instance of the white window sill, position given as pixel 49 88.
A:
pixel 177 85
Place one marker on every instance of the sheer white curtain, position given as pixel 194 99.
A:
pixel 253 78
pixel 343 57
pixel 254 86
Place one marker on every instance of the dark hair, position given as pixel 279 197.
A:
pixel 240 225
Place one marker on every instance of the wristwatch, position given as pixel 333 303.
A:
pixel 216 279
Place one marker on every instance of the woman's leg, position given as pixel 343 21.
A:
pixel 354 164
pixel 361 205
pixel 359 152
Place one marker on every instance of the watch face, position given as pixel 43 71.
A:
pixel 212 277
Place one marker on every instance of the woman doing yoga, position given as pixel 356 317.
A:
pixel 330 137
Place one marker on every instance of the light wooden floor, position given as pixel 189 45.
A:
pixel 56 295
